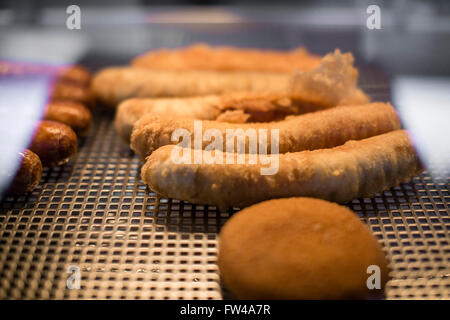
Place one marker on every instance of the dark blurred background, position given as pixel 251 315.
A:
pixel 414 35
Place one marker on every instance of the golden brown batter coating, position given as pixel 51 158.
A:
pixel 299 248
pixel 234 107
pixel 113 85
pixel 332 81
pixel 356 169
pixel 131 110
pixel 54 142
pixel 29 174
pixel 74 114
pixel 321 129
pixel 266 107
pixel 204 57
pixel 250 107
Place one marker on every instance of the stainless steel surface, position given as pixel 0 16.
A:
pixel 95 213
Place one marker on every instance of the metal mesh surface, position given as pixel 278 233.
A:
pixel 96 214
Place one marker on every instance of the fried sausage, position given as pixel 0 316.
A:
pixel 74 114
pixel 54 142
pixel 113 85
pixel 76 74
pixel 204 57
pixel 329 83
pixel 356 169
pixel 29 174
pixel 131 110
pixel 70 91
pixel 321 129
pixel 234 107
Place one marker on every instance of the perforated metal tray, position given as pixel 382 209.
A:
pixel 95 213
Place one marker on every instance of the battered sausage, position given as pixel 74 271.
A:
pixel 131 110
pixel 74 114
pixel 204 57
pixel 54 142
pixel 322 129
pixel 356 169
pixel 235 107
pixel 113 85
pixel 332 81
pixel 29 174
pixel 254 107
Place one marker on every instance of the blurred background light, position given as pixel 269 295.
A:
pixel 22 101
pixel 424 107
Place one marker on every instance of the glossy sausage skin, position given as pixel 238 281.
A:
pixel 76 74
pixel 73 114
pixel 70 91
pixel 28 175
pixel 54 142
